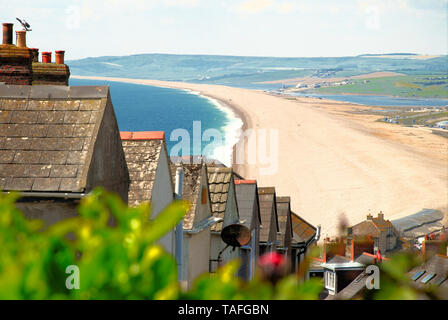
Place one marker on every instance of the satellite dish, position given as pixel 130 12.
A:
pixel 236 235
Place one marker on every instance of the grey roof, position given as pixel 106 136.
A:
pixel 191 188
pixel 246 196
pixel 219 180
pixel 142 157
pixel 303 231
pixel 354 288
pixel 283 215
pixel 421 223
pixel 47 136
pixel 267 201
pixel 437 265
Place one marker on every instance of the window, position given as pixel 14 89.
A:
pixel 330 280
pixel 428 277
pixel 417 275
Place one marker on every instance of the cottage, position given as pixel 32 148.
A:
pixel 57 143
pixel 342 262
pixel 269 221
pixel 249 211
pixel 197 222
pixel 385 236
pixel 303 236
pixel 224 206
pixel 284 236
pixel 150 175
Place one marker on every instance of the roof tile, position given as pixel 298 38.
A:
pixel 64 171
pixel 46 184
pixel 18 184
pixel 27 157
pixel 47 138
pixel 58 157
pixel 37 171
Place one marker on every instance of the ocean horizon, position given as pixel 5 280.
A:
pixel 181 114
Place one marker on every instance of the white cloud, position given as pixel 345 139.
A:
pixel 255 6
pixel 275 6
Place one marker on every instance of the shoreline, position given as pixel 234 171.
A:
pixel 333 162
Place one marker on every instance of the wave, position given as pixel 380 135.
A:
pixel 231 130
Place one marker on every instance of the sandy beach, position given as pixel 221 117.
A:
pixel 333 161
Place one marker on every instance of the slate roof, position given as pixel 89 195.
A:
pixel 302 230
pixel 355 287
pixel 283 213
pixel 47 136
pixel 419 224
pixel 246 196
pixel 437 265
pixel 142 151
pixel 372 227
pixel 219 180
pixel 191 188
pixel 266 198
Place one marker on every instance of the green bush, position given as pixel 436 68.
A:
pixel 114 246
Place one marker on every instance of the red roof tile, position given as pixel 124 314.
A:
pixel 142 135
pixel 245 181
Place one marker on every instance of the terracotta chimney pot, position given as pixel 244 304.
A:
pixel 21 38
pixel 46 57
pixel 59 56
pixel 7 33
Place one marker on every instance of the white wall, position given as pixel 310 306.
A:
pixel 162 195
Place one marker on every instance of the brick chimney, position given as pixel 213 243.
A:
pixel 59 56
pixel 333 248
pixel 360 245
pixel 35 54
pixel 369 217
pixel 433 247
pixel 15 61
pixel 7 33
pixel 46 57
pixel 21 38
pixel 381 215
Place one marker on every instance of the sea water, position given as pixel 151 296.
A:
pixel 148 108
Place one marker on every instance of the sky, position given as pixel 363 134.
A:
pixel 281 28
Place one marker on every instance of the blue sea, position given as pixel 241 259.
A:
pixel 183 115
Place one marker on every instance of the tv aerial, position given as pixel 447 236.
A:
pixel 26 26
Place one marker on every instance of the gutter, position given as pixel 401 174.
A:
pixel 204 224
pixel 61 195
pixel 179 227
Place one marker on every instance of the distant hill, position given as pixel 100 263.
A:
pixel 246 71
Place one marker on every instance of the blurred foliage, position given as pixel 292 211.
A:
pixel 116 250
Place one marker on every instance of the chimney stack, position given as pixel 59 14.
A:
pixel 7 33
pixel 381 215
pixel 369 217
pixel 21 38
pixel 59 56
pixel 35 54
pixel 46 57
